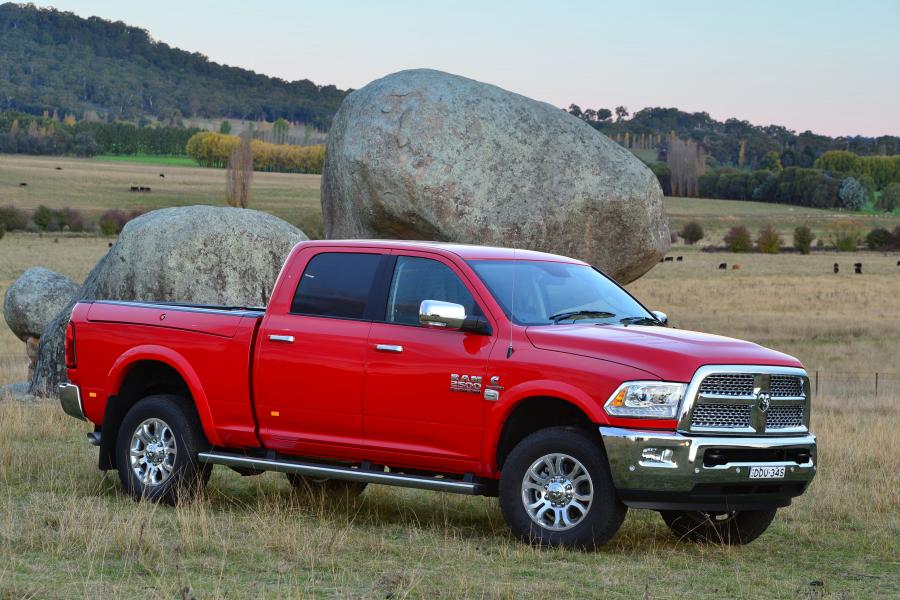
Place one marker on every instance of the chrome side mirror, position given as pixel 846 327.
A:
pixel 661 317
pixel 443 315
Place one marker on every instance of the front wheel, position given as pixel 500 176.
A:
pixel 156 450
pixel 556 490
pixel 725 527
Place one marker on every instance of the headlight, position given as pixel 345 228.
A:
pixel 646 400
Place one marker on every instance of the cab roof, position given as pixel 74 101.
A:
pixel 464 251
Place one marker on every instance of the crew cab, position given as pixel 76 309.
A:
pixel 475 370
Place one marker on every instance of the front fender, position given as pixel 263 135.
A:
pixel 170 357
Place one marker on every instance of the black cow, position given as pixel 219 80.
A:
pixel 679 258
pixel 723 265
pixel 857 268
pixel 669 259
pixel 837 267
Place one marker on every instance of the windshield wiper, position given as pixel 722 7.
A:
pixel 639 321
pixel 575 314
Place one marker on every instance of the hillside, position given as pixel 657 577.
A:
pixel 52 60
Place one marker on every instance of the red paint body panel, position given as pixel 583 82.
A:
pixel 331 394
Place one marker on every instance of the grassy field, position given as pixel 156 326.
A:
pixel 66 531
pixel 94 186
pixel 148 159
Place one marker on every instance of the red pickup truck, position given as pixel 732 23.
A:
pixel 517 374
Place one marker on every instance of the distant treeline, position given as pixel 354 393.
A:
pixel 27 134
pixel 53 60
pixel 214 149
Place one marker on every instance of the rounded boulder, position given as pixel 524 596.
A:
pixel 423 154
pixel 34 299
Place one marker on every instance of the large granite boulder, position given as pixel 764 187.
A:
pixel 34 299
pixel 196 254
pixel 423 154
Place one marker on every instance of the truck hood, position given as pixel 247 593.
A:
pixel 670 354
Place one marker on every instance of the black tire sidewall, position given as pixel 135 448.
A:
pixel 606 513
pixel 188 474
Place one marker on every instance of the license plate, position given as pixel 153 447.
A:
pixel 766 472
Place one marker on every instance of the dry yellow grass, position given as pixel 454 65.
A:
pixel 66 531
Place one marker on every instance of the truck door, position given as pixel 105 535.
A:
pixel 424 386
pixel 311 351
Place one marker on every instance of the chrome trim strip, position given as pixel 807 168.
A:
pixel 70 400
pixel 336 472
pixel 692 397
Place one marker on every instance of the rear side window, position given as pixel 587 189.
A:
pixel 336 284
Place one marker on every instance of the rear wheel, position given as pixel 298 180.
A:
pixel 156 450
pixel 724 527
pixel 556 490
pixel 326 486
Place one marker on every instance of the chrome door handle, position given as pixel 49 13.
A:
pixel 284 339
pixel 388 348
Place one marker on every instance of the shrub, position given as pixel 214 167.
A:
pixel 890 198
pixel 13 218
pixel 691 233
pixel 2 230
pixel 852 194
pixel 844 234
pixel 879 239
pixel 738 239
pixel 112 221
pixel 50 219
pixel 803 239
pixel 769 240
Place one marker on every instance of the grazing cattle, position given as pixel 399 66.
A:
pixel 669 259
pixel 679 258
pixel 134 188
pixel 59 168
pixel 735 267
pixel 22 184
pixel 110 245
pixel 898 263
pixel 837 268
pixel 857 268
pixel 723 265
pixel 144 189
pixel 163 175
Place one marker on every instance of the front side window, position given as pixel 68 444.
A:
pixel 417 279
pixel 336 284
pixel 546 293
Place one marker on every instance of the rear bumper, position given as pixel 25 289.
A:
pixel 706 472
pixel 70 399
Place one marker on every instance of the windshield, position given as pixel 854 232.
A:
pixel 548 293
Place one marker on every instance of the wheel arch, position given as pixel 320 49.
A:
pixel 144 371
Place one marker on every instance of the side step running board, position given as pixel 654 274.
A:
pixel 438 484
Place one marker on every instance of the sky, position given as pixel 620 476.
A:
pixel 827 66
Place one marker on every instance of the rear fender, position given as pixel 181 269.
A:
pixel 175 360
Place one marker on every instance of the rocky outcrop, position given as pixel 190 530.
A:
pixel 34 299
pixel 427 155
pixel 196 254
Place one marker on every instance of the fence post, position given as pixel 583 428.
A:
pixel 817 382
pixel 876 385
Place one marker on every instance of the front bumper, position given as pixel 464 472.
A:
pixel 706 472
pixel 70 399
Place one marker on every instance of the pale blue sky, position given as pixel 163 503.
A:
pixel 832 67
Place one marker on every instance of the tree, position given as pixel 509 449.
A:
pixel 852 194
pixel 879 239
pixel 771 161
pixel 604 114
pixel 738 239
pixel 687 160
pixel 803 239
pixel 691 233
pixel 225 127
pixel 280 131
pixel 621 113
pixel 240 173
pixel 890 198
pixel 769 240
pixel 575 110
pixel 844 234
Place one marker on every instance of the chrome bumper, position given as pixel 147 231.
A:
pixel 662 480
pixel 70 399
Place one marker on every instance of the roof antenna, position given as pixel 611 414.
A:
pixel 512 308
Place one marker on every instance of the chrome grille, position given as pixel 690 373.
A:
pixel 730 384
pixel 782 417
pixel 785 386
pixel 725 416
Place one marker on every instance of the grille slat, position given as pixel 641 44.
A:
pixel 785 386
pixel 724 416
pixel 782 417
pixel 735 385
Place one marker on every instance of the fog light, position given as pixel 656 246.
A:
pixel 657 457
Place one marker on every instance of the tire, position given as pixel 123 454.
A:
pixel 566 509
pixel 325 486
pixel 165 433
pixel 731 528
